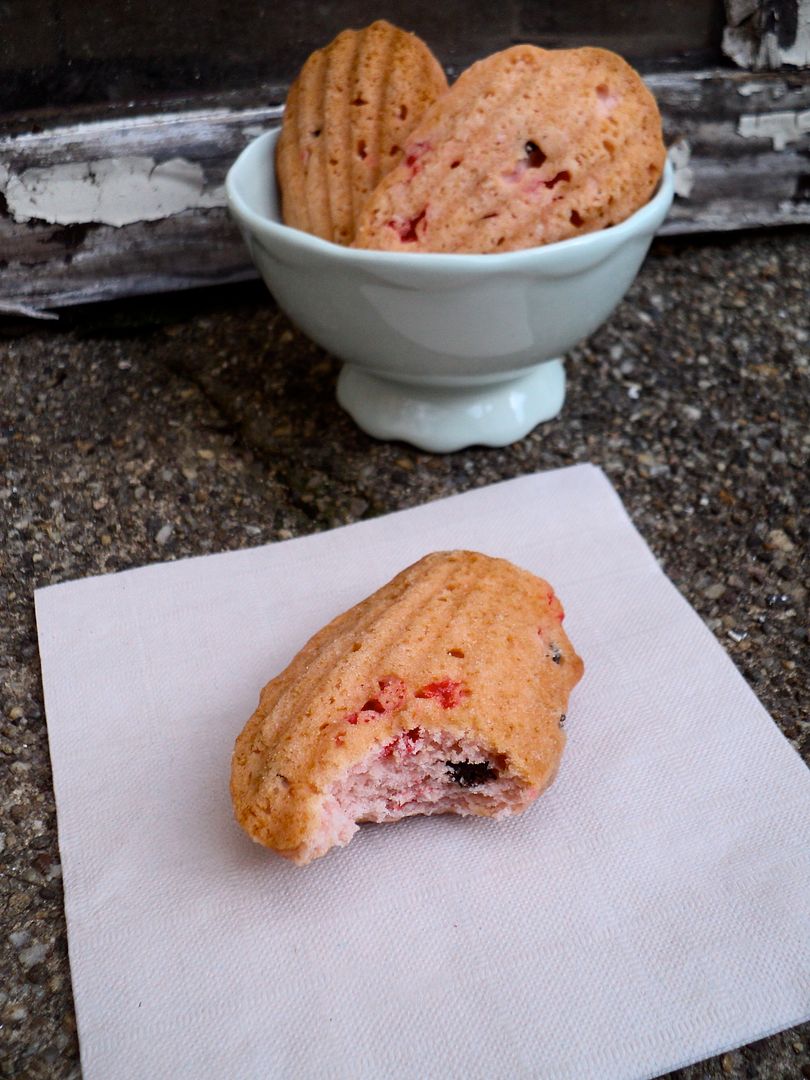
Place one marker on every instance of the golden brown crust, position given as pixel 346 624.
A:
pixel 346 120
pixel 528 147
pixel 457 618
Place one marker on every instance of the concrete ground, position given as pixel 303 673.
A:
pixel 161 428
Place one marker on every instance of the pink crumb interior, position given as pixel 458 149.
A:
pixel 411 775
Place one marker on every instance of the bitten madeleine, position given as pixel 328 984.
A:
pixel 444 691
pixel 345 123
pixel 528 147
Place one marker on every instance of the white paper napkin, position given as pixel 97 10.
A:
pixel 652 909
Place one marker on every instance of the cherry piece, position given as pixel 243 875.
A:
pixel 564 175
pixel 407 232
pixel 448 692
pixel 406 741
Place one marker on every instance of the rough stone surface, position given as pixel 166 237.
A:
pixel 196 423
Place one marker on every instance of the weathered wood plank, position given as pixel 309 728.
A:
pixel 43 263
pixel 764 35
pixel 132 205
pixel 739 141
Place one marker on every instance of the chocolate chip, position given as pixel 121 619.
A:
pixel 555 654
pixel 562 719
pixel 534 154
pixel 471 773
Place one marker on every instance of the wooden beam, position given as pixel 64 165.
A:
pixel 741 144
pixel 135 204
pixel 764 35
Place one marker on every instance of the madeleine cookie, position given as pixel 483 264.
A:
pixel 345 123
pixel 445 691
pixel 528 147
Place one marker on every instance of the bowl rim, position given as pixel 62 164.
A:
pixel 645 221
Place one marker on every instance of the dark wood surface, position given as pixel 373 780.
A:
pixel 130 89
pixel 741 142
pixel 68 53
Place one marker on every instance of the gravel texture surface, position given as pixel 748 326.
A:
pixel 157 429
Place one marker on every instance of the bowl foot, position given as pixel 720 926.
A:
pixel 445 418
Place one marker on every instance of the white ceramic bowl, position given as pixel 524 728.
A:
pixel 443 351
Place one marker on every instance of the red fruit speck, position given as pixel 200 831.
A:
pixel 413 155
pixel 552 599
pixel 393 692
pixel 416 151
pixel 564 175
pixel 406 741
pixel 514 176
pixel 407 231
pixel 448 692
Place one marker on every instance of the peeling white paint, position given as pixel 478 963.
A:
pixel 111 191
pixel 797 54
pixel 749 88
pixel 680 154
pixel 750 46
pixel 781 127
pixel 792 209
pixel 23 310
